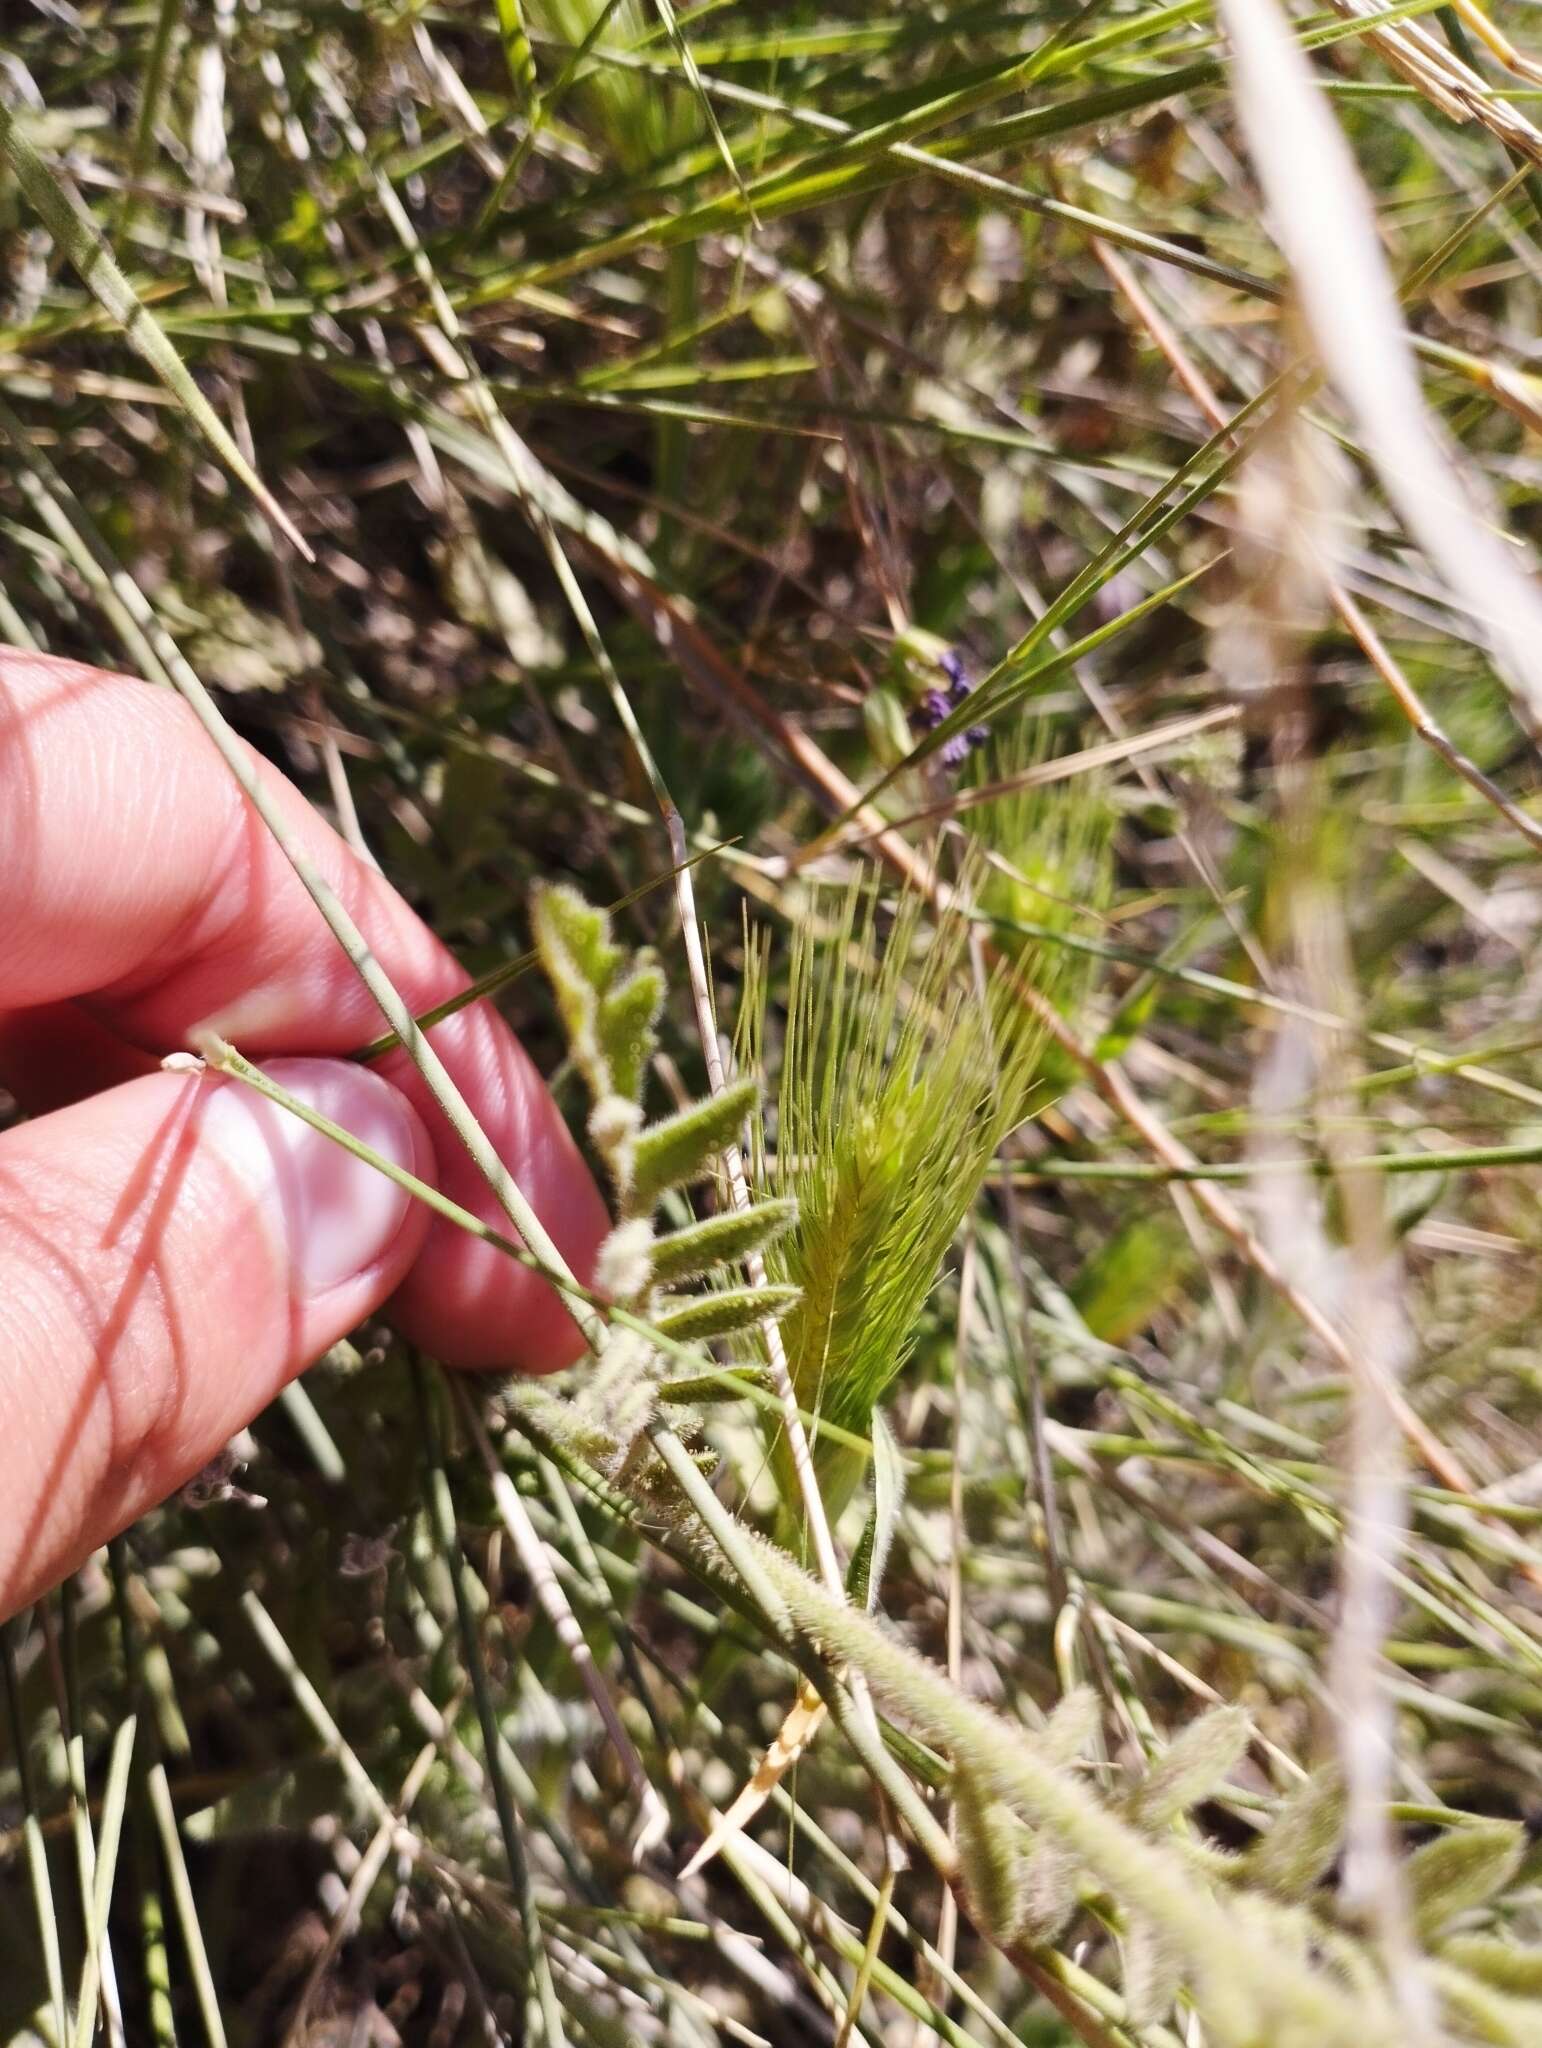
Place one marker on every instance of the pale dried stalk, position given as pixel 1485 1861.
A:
pixel 1322 220
pixel 1282 550
pixel 1371 644
pixel 1447 83
pixel 1377 1526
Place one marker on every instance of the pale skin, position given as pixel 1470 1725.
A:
pixel 172 1249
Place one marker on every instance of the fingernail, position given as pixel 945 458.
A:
pixel 334 1215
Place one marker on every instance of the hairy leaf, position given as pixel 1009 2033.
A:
pixel 628 1011
pixel 695 1388
pixel 1475 2011
pixel 679 1150
pixel 1067 1735
pixel 719 1315
pixel 720 1240
pixel 1153 1971
pixel 994 1845
pixel 1193 1767
pixel 1503 1964
pixel 1462 1868
pixel 864 1575
pixel 1303 1839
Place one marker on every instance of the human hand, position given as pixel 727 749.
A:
pixel 173 1248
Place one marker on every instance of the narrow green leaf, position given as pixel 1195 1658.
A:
pixel 627 1014
pixel 718 1315
pixel 871 1557
pixel 695 1388
pixel 1193 1768
pixel 1153 1972
pixel 1503 1964
pixel 517 52
pixel 719 1240
pixel 1291 1858
pixel 1463 1868
pixel 678 1150
pixel 152 95
pixel 682 50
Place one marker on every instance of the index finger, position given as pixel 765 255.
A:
pixel 141 884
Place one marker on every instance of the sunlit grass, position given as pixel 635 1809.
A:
pixel 552 434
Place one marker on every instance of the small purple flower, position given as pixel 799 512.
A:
pixel 936 704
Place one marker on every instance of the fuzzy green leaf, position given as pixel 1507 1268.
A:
pixel 628 1012
pixel 1153 1972
pixel 565 924
pixel 679 1150
pixel 1463 1868
pixel 719 1315
pixel 697 1387
pixel 564 928
pixel 1047 1890
pixel 1067 1735
pixel 1503 1964
pixel 719 1240
pixel 1193 1767
pixel 1475 2011
pixel 870 1559
pixel 1291 1858
pixel 1132 1275
pixel 583 1435
pixel 994 1847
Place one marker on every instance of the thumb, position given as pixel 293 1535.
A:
pixel 173 1251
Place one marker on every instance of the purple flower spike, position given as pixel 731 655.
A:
pixel 937 704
